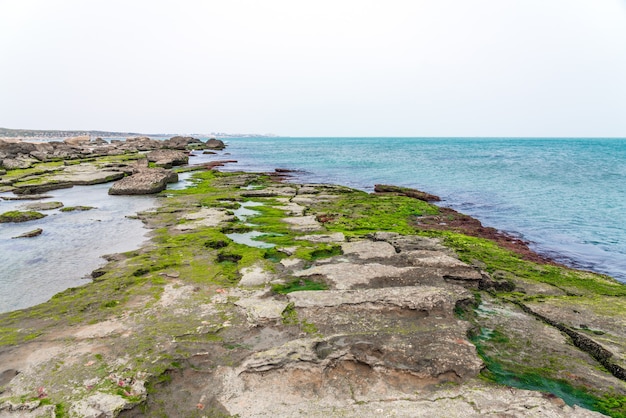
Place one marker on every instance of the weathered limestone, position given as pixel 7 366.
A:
pixel 167 158
pixel 335 237
pixel 304 223
pixel 205 217
pixel 254 276
pixel 147 181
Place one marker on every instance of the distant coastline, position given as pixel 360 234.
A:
pixel 47 134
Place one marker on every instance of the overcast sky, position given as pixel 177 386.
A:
pixel 316 68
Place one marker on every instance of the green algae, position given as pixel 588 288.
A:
pixel 528 378
pixel 495 258
pixel 20 216
pixel 37 169
pixel 76 208
pixel 358 213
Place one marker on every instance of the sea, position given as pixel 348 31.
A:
pixel 565 196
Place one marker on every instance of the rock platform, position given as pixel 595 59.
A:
pixel 196 325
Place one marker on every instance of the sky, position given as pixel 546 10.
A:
pixel 520 68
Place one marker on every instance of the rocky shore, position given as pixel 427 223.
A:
pixel 143 163
pixel 258 297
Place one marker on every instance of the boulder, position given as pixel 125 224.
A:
pixel 215 144
pixel 148 181
pixel 99 141
pixel 11 149
pixel 140 143
pixel 182 143
pixel 167 158
pixel 77 140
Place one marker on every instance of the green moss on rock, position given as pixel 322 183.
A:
pixel 20 216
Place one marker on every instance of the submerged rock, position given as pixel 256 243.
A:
pixel 45 206
pixel 30 234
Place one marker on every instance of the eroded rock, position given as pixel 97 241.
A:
pixel 148 181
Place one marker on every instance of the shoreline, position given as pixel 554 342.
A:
pixel 351 306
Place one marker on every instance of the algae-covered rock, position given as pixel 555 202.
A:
pixel 30 234
pixel 76 208
pixel 20 216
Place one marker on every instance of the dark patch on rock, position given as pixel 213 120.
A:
pixel 98 273
pixel 216 245
pixel 7 375
pixel 233 258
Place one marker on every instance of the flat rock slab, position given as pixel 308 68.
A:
pixel 343 276
pixel 432 259
pixel 260 310
pixel 276 395
pixel 423 298
pixel 86 174
pixel 292 209
pixel 205 217
pixel 303 223
pixel 369 249
pixel 410 242
pixel 254 276
pixel 147 181
pixel 44 206
pixel 328 238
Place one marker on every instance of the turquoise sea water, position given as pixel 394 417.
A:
pixel 567 196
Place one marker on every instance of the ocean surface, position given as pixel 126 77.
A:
pixel 566 196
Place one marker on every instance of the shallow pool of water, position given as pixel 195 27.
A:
pixel 71 245
pixel 250 239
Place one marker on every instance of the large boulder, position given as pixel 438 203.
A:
pixel 147 181
pixel 140 143
pixel 182 143
pixel 167 158
pixel 215 144
pixel 12 148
